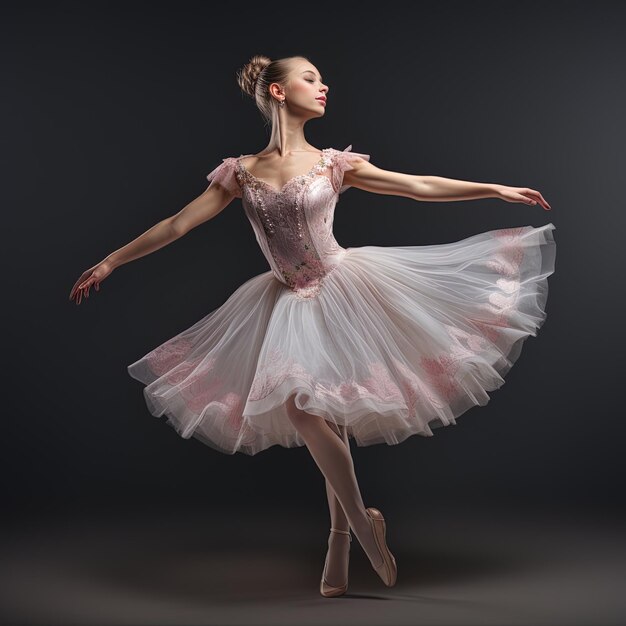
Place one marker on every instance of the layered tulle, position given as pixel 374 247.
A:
pixel 398 341
pixel 342 162
pixel 225 176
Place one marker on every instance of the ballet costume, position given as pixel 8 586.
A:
pixel 388 341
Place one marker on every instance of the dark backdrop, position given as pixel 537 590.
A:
pixel 112 119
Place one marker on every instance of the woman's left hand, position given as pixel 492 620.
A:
pixel 522 194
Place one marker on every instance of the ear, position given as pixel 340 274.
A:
pixel 276 90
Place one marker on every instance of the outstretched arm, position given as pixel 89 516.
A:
pixel 203 208
pixel 366 176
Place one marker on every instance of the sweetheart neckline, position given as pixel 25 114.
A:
pixel 323 153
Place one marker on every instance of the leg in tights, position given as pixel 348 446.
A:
pixel 338 543
pixel 335 462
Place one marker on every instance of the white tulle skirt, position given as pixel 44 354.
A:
pixel 398 341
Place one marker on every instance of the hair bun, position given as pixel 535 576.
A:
pixel 248 75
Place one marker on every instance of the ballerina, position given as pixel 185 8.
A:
pixel 331 343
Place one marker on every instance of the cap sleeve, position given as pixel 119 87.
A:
pixel 341 163
pixel 226 175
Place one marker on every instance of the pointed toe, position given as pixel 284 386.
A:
pixel 387 570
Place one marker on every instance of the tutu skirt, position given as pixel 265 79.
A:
pixel 398 341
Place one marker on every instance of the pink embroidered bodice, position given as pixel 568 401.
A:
pixel 294 225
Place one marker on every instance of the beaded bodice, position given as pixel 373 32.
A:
pixel 293 225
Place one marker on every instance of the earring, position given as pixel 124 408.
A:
pixel 281 103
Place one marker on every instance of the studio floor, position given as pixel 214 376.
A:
pixel 190 566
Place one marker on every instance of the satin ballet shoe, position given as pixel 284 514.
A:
pixel 328 591
pixel 387 570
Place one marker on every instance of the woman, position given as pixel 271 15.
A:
pixel 374 343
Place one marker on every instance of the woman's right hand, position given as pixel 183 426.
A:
pixel 93 276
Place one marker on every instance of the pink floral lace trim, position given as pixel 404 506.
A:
pixel 278 367
pixel 442 370
pixel 506 261
pixel 404 386
pixel 198 383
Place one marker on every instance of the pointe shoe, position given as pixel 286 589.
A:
pixel 327 590
pixel 387 570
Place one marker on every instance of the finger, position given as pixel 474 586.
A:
pixel 545 203
pixel 536 194
pixel 76 285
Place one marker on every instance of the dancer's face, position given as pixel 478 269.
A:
pixel 304 90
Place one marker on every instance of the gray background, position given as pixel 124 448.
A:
pixel 114 116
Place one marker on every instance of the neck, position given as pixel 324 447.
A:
pixel 287 136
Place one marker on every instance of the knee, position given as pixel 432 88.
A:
pixel 303 422
pixel 296 415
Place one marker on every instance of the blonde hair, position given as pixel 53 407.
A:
pixel 258 74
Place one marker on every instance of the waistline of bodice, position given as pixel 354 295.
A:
pixel 307 283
